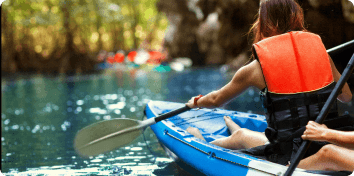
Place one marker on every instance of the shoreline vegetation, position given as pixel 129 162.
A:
pixel 67 36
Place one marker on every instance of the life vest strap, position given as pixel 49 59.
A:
pixel 291 124
pixel 284 104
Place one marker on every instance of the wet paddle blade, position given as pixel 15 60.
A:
pixel 106 136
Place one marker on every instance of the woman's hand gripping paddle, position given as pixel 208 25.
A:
pixel 108 135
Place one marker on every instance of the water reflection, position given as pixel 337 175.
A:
pixel 40 116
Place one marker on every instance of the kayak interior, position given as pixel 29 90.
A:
pixel 211 124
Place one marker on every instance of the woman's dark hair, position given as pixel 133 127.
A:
pixel 277 17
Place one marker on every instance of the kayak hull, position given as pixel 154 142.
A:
pixel 207 158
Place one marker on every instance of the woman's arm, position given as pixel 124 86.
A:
pixel 317 132
pixel 246 76
pixel 346 95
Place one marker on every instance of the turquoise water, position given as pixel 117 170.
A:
pixel 40 116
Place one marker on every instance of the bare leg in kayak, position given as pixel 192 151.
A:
pixel 232 126
pixel 240 138
pixel 330 157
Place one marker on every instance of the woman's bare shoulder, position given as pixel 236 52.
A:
pixel 256 74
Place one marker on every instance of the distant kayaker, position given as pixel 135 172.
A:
pixel 296 76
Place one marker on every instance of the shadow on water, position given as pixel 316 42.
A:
pixel 40 116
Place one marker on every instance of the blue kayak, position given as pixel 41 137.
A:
pixel 207 158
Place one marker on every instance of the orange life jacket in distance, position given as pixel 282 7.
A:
pixel 294 62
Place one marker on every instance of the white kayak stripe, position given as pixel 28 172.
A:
pixel 272 168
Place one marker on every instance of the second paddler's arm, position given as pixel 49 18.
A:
pixel 346 95
pixel 246 76
pixel 320 132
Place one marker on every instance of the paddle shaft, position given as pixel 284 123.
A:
pixel 172 113
pixel 340 48
pixel 321 117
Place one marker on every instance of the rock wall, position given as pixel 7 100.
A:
pixel 180 37
pixel 333 21
pixel 216 31
pixel 208 31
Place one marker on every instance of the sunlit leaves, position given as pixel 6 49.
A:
pixel 38 48
pixel 94 37
pixel 105 37
pixel 90 22
pixel 114 7
pixel 125 10
pixel 149 13
pixel 54 9
pixel 45 9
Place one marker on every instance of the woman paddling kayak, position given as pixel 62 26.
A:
pixel 296 76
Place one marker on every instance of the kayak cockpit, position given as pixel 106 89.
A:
pixel 206 157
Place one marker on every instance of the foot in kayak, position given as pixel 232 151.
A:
pixel 233 127
pixel 195 132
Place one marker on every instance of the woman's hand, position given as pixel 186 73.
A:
pixel 191 104
pixel 315 132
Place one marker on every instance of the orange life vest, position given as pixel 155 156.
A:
pixel 299 79
pixel 119 57
pixel 131 56
pixel 294 62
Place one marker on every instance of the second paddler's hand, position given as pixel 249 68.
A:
pixel 315 132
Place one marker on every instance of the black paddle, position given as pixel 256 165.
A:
pixel 108 135
pixel 321 117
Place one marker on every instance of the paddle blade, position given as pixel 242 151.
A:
pixel 106 136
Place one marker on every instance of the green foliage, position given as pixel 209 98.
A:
pixel 88 18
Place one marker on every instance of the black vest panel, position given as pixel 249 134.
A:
pixel 288 113
pixel 287 116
